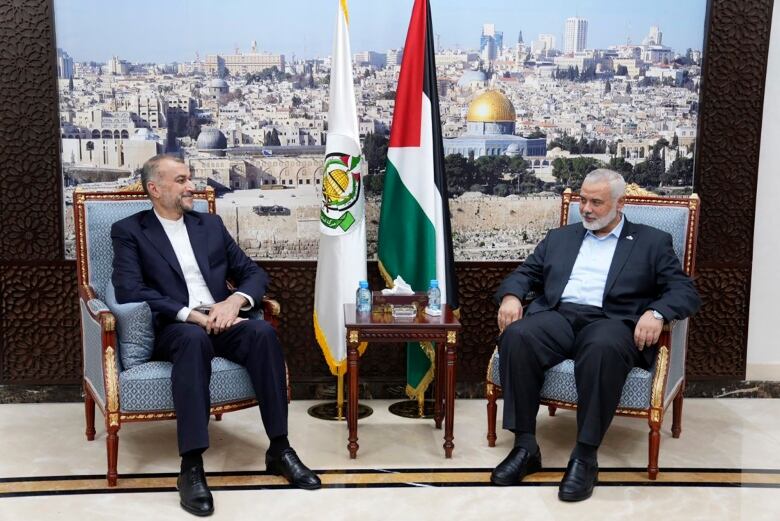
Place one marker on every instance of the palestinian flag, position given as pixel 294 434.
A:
pixel 414 228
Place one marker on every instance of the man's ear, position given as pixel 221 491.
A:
pixel 151 187
pixel 621 202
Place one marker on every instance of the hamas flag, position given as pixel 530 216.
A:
pixel 341 260
pixel 414 227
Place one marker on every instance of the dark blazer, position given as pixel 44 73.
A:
pixel 645 274
pixel 146 268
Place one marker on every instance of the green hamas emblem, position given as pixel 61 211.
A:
pixel 340 192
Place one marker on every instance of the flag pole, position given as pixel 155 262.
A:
pixel 340 397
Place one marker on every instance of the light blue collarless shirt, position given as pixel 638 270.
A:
pixel 589 274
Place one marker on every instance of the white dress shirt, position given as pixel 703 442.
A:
pixel 589 274
pixel 198 290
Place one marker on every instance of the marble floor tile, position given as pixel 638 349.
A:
pixel 719 439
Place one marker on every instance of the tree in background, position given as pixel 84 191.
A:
pixel 680 173
pixel 375 152
pixel 570 172
pixel 272 139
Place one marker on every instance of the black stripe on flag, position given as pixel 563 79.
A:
pixel 431 90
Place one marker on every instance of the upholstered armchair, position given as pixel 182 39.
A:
pixel 647 393
pixel 117 339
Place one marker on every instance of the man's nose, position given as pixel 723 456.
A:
pixel 190 186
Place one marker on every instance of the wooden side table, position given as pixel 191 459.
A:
pixel 383 328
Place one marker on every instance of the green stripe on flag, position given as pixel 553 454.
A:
pixel 407 238
pixel 407 247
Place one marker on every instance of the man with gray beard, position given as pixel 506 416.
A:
pixel 606 286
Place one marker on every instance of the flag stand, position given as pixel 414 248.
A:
pixel 421 408
pixel 334 411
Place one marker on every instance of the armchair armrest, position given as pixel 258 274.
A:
pixel 677 341
pixel 272 311
pixel 100 352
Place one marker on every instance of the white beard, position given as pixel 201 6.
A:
pixel 598 224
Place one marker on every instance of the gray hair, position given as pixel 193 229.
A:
pixel 617 184
pixel 151 167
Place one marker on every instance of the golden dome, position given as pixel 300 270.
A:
pixel 491 107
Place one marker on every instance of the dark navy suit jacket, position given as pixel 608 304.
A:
pixel 146 268
pixel 645 274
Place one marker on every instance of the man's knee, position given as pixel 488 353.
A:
pixel 612 344
pixel 193 341
pixel 261 329
pixel 519 336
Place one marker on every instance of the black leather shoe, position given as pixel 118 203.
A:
pixel 517 465
pixel 289 465
pixel 579 480
pixel 194 492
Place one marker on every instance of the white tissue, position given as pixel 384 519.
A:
pixel 400 287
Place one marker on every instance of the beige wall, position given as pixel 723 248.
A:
pixel 763 353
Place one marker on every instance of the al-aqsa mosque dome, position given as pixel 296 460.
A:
pixel 490 130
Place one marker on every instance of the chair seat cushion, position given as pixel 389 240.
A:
pixel 559 384
pixel 147 387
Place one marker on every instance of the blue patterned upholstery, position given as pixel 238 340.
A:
pixel 676 358
pixel 92 349
pixel 96 306
pixel 100 215
pixel 559 384
pixel 134 329
pixel 147 387
pixel 671 219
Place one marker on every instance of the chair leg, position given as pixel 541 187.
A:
pixel 677 406
pixel 654 444
pixel 492 409
pixel 89 414
pixel 112 449
pixel 218 417
pixel 551 409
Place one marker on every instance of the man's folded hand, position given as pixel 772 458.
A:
pixel 648 330
pixel 511 309
pixel 223 314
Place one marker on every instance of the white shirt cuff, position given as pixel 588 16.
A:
pixel 183 313
pixel 249 299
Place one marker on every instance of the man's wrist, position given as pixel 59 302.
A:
pixel 510 296
pixel 656 314
pixel 238 299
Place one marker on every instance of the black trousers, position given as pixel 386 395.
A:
pixel 603 351
pixel 251 343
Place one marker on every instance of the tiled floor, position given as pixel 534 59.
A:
pixel 726 465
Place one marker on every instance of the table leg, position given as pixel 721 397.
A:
pixel 438 399
pixel 449 415
pixel 352 404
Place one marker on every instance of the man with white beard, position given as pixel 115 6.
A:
pixel 605 288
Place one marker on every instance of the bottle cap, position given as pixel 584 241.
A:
pixel 363 284
pixel 434 283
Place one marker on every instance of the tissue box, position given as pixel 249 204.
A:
pixel 419 298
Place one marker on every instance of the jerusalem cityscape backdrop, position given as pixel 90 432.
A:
pixel 523 118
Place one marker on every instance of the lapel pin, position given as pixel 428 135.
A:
pixel 630 237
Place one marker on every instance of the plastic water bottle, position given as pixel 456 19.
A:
pixel 363 297
pixel 434 296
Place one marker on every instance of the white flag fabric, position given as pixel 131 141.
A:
pixel 341 261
